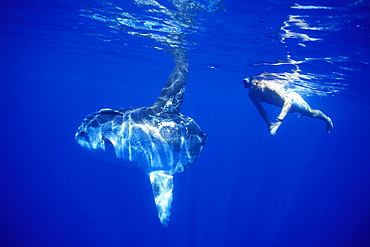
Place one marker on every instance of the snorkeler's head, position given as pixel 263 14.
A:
pixel 247 81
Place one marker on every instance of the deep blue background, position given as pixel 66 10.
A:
pixel 303 187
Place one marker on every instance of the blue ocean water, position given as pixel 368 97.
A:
pixel 61 60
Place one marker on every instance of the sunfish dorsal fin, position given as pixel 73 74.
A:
pixel 171 97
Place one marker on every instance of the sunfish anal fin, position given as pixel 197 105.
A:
pixel 162 186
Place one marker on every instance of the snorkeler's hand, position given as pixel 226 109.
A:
pixel 274 127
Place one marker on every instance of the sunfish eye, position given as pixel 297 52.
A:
pixel 83 134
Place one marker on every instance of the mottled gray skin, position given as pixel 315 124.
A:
pixel 137 139
pixel 157 140
pixel 151 138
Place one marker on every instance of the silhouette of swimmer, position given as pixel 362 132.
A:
pixel 268 91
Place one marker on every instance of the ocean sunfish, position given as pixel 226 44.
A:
pixel 157 140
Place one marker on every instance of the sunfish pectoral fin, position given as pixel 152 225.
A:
pixel 162 186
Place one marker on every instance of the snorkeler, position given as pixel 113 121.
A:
pixel 270 92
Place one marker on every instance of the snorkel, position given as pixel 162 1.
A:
pixel 247 82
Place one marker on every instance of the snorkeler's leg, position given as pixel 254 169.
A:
pixel 306 110
pixel 284 111
pixel 320 115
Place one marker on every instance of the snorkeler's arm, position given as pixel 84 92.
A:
pixel 285 109
pixel 260 109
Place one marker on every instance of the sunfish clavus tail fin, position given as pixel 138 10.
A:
pixel 162 186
